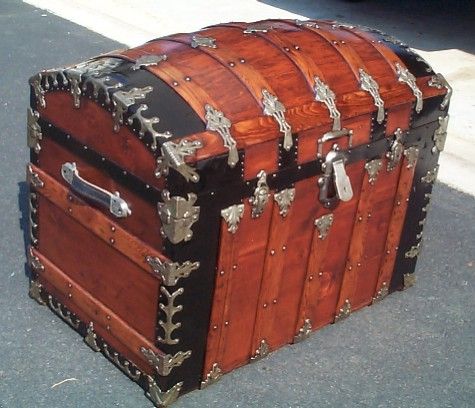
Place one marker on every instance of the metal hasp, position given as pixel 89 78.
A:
pixel 146 125
pixel 165 363
pixel 233 215
pixel 261 352
pixel 304 331
pixel 217 122
pixel 261 195
pixel 284 200
pixel 440 134
pixel 33 130
pixel 373 167
pixel 116 205
pixel 324 94
pixel 212 377
pixel 323 225
pixel 273 107
pixel 169 309
pixel 344 311
pixel 173 155
pixel 162 399
pixel 397 150
pixel 407 78
pixel 369 85
pixel 123 100
pixel 171 272
pixel 178 215
pixel 198 41
pixel 438 81
pixel 148 60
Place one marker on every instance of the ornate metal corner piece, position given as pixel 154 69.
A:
pixel 323 225
pixel 63 313
pixel 33 130
pixel 438 81
pixel 261 195
pixel 146 125
pixel 101 83
pixel 198 41
pixel 91 338
pixel 171 272
pixel 407 78
pixel 34 262
pixel 126 366
pixel 381 293
pixel 440 134
pixel 304 331
pixel 324 94
pixel 344 311
pixel 165 363
pixel 261 352
pixel 38 90
pixel 233 215
pixel 178 214
pixel 217 122
pixel 369 85
pixel 35 292
pixel 173 155
pixel 169 309
pixel 212 377
pixel 409 280
pixel 273 107
pixel 284 200
pixel 160 398
pixel 122 100
pixel 414 251
pixel 148 60
pixel 33 178
pixel 411 154
pixel 373 167
pixel 397 150
pixel 431 175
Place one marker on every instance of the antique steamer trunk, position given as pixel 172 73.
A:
pixel 206 198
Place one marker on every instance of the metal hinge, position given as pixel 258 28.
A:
pixel 368 84
pixel 178 214
pixel 123 100
pixel 440 134
pixel 171 272
pixel 396 152
pixel 261 195
pixel 162 399
pixel 165 363
pixel 406 77
pixel 170 309
pixel 373 167
pixel 438 81
pixel 324 94
pixel 273 107
pixel 33 130
pixel 198 41
pixel 323 225
pixel 233 215
pixel 173 155
pixel 217 122
pixel 284 200
pixel 148 60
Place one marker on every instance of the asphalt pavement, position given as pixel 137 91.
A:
pixel 415 349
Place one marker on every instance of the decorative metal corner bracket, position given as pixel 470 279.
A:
pixel 397 150
pixel 273 107
pixel 198 41
pixel 217 122
pixel 178 214
pixel 344 311
pixel 35 292
pixel 147 61
pixel 323 225
pixel 33 130
pixel 324 94
pixel 233 215
pixel 38 90
pixel 261 195
pixel 411 154
pixel 169 309
pixel 171 272
pixel 440 134
pixel 431 175
pixel 438 81
pixel 173 155
pixel 284 200
pixel 65 314
pixel 160 398
pixel 34 262
pixel 373 167
pixel 304 331
pixel 146 125
pixel 101 83
pixel 122 100
pixel 407 78
pixel 33 178
pixel 124 366
pixel 165 363
pixel 369 85
pixel 409 280
pixel 414 251
pixel 91 337
pixel 212 377
pixel 381 293
pixel 261 352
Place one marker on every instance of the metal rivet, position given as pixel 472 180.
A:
pixel 407 200
pixel 215 327
pixel 320 273
pixel 265 305
pixel 398 203
pixel 226 323
pixel 242 60
pixel 358 264
pixel 299 167
pixel 175 83
pixel 221 273
pixel 234 267
pixel 70 197
pixel 70 296
pixel 310 278
pixel 274 301
pixel 360 218
pixel 68 136
pixel 124 173
pixel 187 79
pixel 369 215
pixel 108 328
pixel 274 175
pixel 232 64
pixel 113 229
pixel 70 285
pixel 284 248
pixel 350 268
pixel 272 252
pixel 388 251
pixel 70 210
pixel 84 147
pixel 297 47
pixel 108 317
pixel 112 241
pixel 103 159
pixel 287 49
pixel 343 42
